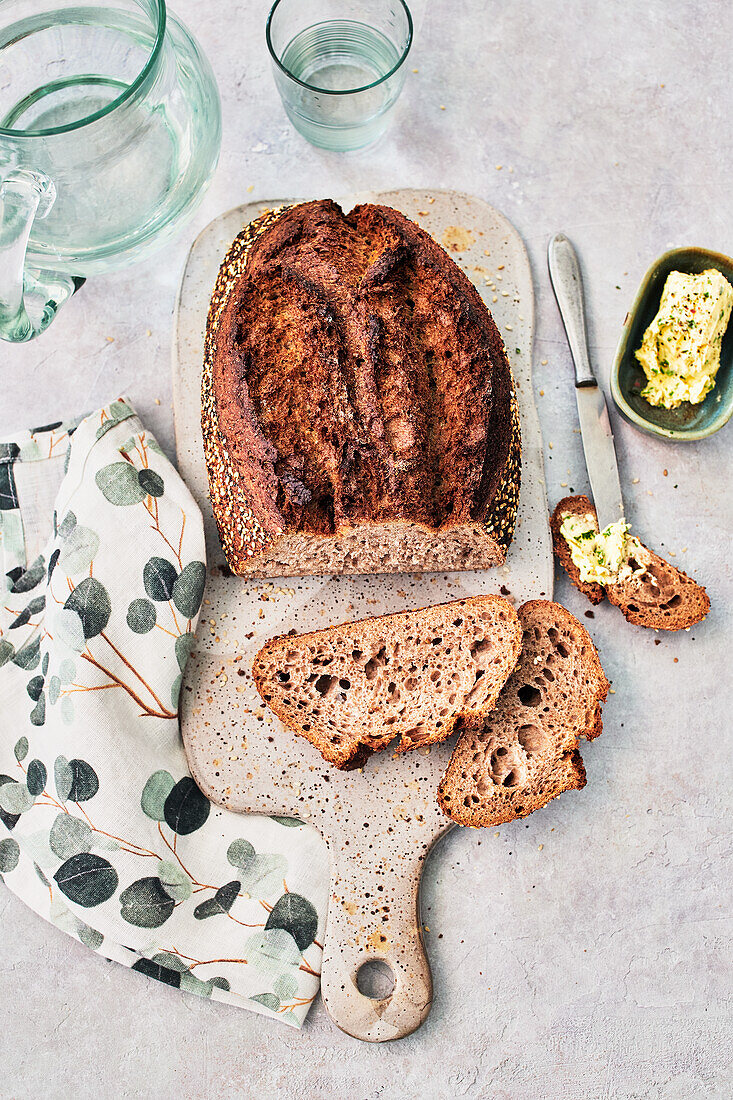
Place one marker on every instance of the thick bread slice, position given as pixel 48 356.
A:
pixel 662 597
pixel 351 689
pixel 525 751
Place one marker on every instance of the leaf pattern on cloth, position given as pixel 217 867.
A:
pixel 100 820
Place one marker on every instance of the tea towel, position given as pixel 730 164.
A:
pixel 103 831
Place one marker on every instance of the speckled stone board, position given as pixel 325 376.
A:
pixel 379 823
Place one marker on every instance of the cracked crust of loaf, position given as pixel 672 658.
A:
pixel 353 688
pixel 257 538
pixel 525 752
pixel 661 598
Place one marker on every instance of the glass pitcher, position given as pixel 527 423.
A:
pixel 110 128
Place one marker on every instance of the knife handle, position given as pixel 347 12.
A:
pixel 568 286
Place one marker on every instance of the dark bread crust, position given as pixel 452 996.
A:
pixel 661 598
pixel 521 754
pixel 351 689
pixel 355 383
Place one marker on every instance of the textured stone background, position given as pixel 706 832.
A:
pixel 583 953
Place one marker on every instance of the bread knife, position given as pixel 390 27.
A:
pixel 595 426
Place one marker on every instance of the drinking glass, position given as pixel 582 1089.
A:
pixel 339 66
pixel 110 127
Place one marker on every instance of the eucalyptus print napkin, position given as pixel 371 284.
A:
pixel 104 832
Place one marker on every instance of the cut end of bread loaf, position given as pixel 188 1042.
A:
pixel 661 597
pixel 524 753
pixel 352 689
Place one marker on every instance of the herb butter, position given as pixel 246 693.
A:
pixel 610 556
pixel 680 352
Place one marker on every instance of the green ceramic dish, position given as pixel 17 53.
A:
pixel 688 422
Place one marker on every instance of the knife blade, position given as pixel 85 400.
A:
pixel 595 426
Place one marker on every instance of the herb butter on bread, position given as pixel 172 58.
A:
pixel 648 590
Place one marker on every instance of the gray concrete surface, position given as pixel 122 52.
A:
pixel 585 952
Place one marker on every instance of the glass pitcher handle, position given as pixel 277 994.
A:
pixel 29 299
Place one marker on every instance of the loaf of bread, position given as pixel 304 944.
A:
pixel 358 409
pixel 659 596
pixel 352 689
pixel 525 751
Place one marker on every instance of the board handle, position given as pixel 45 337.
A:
pixel 373 915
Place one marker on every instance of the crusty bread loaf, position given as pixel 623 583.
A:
pixel 525 751
pixel 662 597
pixel 352 689
pixel 358 409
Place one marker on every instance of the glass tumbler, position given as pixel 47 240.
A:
pixel 339 66
pixel 110 128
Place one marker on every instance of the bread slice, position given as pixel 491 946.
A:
pixel 525 751
pixel 577 506
pixel 661 597
pixel 351 689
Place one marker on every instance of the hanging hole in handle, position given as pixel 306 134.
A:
pixel 374 979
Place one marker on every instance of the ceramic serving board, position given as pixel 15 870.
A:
pixel 380 822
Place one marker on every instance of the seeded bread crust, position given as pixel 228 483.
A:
pixel 351 689
pixel 661 598
pixel 335 383
pixel 525 752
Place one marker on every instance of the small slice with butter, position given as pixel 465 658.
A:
pixel 603 557
pixel 680 351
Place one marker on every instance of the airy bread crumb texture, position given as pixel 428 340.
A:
pixel 524 753
pixel 352 689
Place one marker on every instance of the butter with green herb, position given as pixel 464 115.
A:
pixel 602 557
pixel 680 352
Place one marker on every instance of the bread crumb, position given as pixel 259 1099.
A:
pixel 149 332
pixel 543 362
pixel 501 267
pixel 442 107
pixel 635 481
pixel 499 167
pixel 550 445
pixel 684 549
pixel 540 847
pixel 416 70
pixel 431 201
pixel 665 473
pixel 494 298
pixel 563 484
pixel 509 328
pixel 110 339
pixel 487 252
pixel 611 691
pixel 542 393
